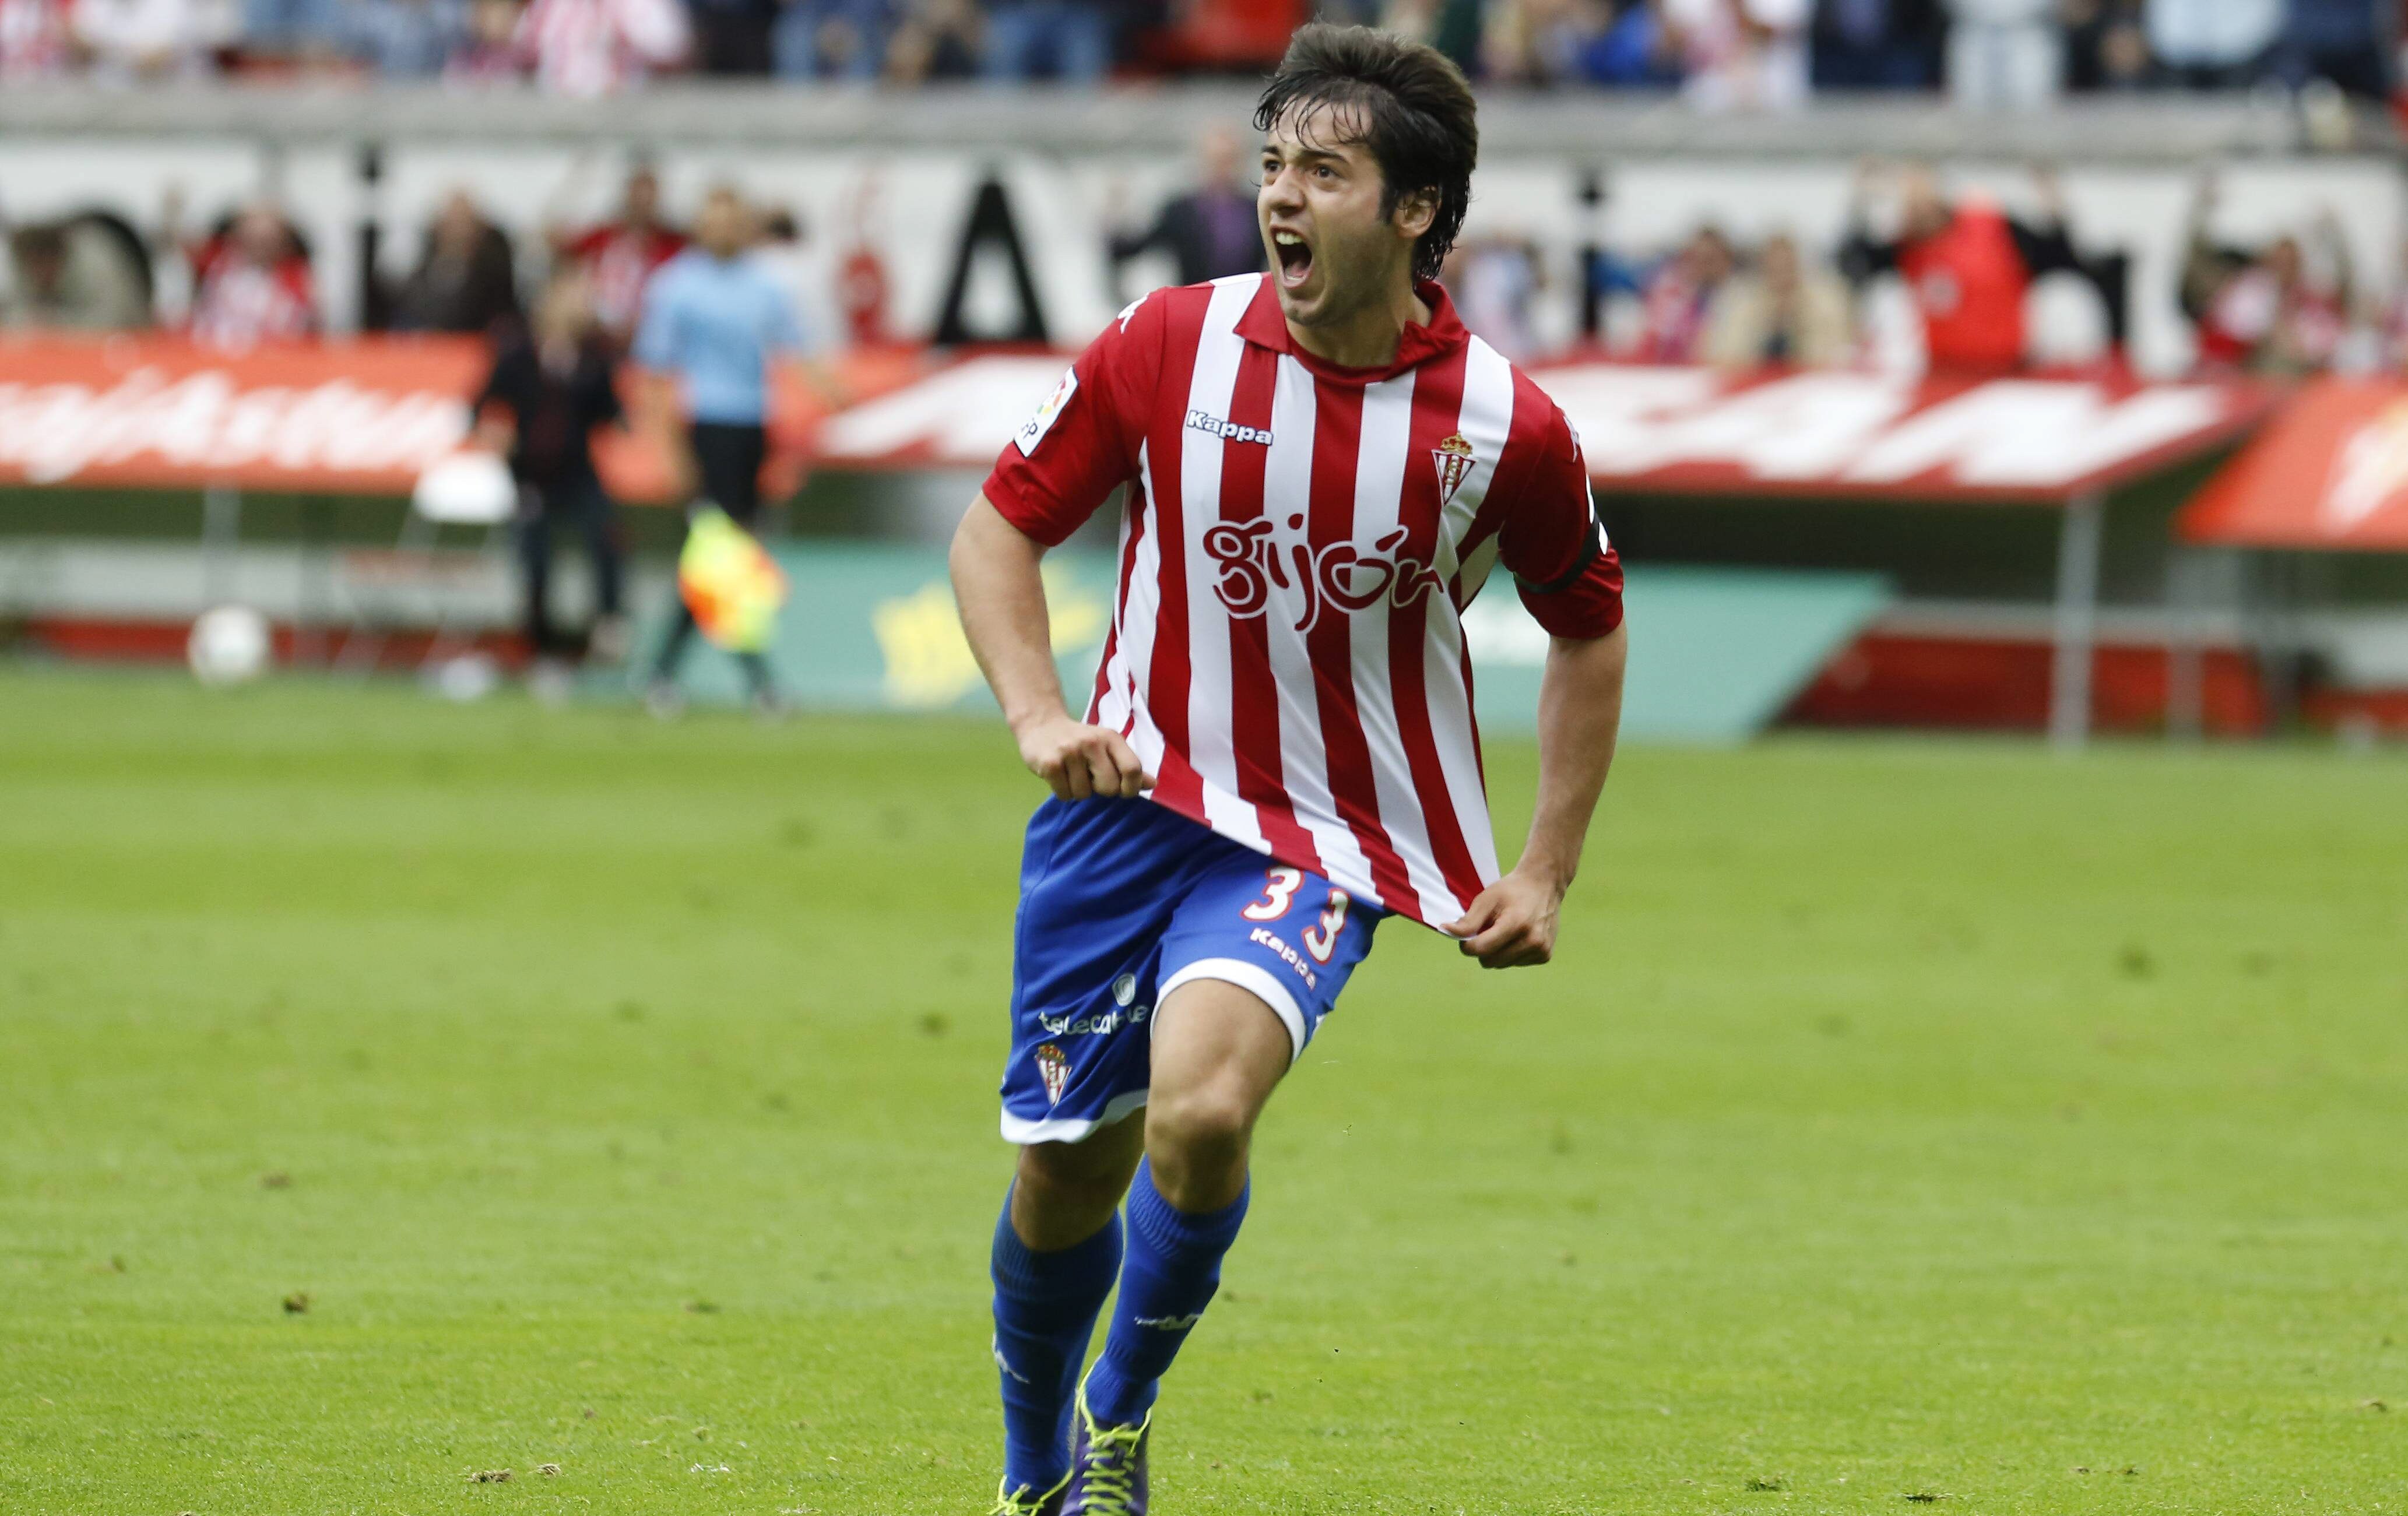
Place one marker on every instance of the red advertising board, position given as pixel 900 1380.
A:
pixel 366 415
pixel 1830 433
pixel 2034 440
pixel 363 416
pixel 2330 472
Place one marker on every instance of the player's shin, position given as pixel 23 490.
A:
pixel 1045 1309
pixel 1171 1272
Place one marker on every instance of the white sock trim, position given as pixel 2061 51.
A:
pixel 1254 979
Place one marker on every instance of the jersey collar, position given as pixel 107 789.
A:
pixel 1264 326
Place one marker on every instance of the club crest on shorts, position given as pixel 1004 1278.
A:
pixel 1453 458
pixel 1054 1065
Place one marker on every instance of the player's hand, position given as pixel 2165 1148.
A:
pixel 1512 924
pixel 1082 762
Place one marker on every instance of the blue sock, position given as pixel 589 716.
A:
pixel 1045 1309
pixel 1173 1269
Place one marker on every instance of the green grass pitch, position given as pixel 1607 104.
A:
pixel 391 1092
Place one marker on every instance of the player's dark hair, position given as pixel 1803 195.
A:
pixel 1416 113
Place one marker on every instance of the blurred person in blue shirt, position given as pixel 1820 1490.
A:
pixel 831 38
pixel 1070 40
pixel 405 38
pixel 713 322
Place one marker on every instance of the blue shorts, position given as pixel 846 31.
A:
pixel 1123 901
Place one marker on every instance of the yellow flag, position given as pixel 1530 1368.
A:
pixel 730 583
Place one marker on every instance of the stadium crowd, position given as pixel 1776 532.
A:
pixel 1719 54
pixel 2291 305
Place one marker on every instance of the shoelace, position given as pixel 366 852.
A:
pixel 1111 1457
pixel 1024 1501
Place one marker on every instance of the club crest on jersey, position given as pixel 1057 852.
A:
pixel 1054 1065
pixel 1253 558
pixel 1454 458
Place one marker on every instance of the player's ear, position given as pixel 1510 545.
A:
pixel 1415 213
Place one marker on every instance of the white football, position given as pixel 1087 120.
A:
pixel 229 645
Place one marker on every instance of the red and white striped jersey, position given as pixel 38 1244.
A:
pixel 1299 540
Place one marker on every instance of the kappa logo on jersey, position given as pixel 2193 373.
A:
pixel 1227 431
pixel 1054 1065
pixel 1033 431
pixel 1454 458
pixel 1253 559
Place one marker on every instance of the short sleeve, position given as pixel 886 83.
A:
pixel 1082 441
pixel 1551 538
pixel 655 344
pixel 786 324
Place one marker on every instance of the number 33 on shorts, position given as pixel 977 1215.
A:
pixel 1280 886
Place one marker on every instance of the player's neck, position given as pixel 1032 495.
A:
pixel 1367 337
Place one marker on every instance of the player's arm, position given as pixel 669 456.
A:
pixel 1001 593
pixel 1061 465
pixel 1579 712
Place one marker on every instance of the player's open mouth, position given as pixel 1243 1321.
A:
pixel 1294 257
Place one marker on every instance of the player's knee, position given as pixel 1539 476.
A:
pixel 1211 1117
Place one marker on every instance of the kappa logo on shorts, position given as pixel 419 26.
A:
pixel 1054 1065
pixel 1287 955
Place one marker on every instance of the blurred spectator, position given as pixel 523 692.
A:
pixel 595 46
pixel 938 39
pixel 74 276
pixel 832 39
pixel 620 255
pixel 1070 40
pixel 1453 27
pixel 35 41
pixel 291 29
pixel 732 37
pixel 1877 44
pixel 1780 313
pixel 1677 295
pixel 1209 231
pixel 1620 43
pixel 546 390
pixel 2341 41
pixel 2005 54
pixel 1496 283
pixel 406 38
pixel 1967 266
pixel 714 325
pixel 1740 54
pixel 493 50
pixel 463 281
pixel 2106 48
pixel 2391 327
pixel 2283 310
pixel 787 255
pixel 252 283
pixel 149 39
pixel 2213 44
